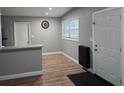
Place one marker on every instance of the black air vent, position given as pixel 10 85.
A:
pixel 84 56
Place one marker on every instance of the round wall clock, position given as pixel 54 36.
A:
pixel 45 24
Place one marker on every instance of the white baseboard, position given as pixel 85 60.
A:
pixel 61 52
pixel 90 70
pixel 50 53
pixel 20 75
pixel 71 58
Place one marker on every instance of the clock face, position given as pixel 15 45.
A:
pixel 45 24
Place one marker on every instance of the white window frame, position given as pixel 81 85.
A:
pixel 68 38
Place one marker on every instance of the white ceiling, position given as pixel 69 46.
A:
pixel 35 11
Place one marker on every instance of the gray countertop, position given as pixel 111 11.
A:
pixel 14 48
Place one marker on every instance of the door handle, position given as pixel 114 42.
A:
pixel 95 50
pixel 96 45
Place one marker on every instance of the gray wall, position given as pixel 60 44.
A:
pixel 85 17
pixel 50 38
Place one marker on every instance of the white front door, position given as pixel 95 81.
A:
pixel 107 44
pixel 22 33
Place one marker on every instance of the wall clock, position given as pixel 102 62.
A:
pixel 45 24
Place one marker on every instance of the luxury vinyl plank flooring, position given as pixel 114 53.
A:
pixel 55 70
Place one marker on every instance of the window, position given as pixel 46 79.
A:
pixel 71 29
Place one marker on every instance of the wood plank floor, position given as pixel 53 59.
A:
pixel 55 70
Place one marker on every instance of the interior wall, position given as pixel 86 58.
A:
pixel 50 38
pixel 85 16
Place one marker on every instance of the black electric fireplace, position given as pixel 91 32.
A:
pixel 84 56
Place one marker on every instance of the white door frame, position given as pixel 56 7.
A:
pixel 29 32
pixel 93 43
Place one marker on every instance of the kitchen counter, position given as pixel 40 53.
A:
pixel 14 48
pixel 20 61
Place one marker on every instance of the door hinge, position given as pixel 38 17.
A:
pixel 120 49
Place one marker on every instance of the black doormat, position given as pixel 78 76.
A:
pixel 88 79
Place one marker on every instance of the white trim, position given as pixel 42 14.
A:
pixel 106 9
pixel 50 53
pixel 71 39
pixel 90 70
pixel 20 75
pixel 61 52
pixel 71 58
